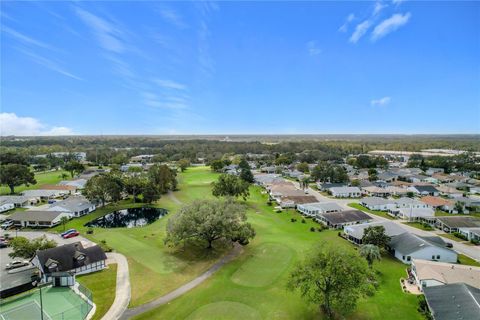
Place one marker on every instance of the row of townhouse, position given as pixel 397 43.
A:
pixel 333 215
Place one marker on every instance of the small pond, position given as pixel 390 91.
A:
pixel 128 218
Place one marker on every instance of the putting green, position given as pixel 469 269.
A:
pixel 227 310
pixel 265 265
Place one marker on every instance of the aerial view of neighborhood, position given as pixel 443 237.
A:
pixel 237 160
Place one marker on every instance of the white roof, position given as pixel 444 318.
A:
pixel 344 190
pixel 324 206
pixel 374 201
pixel 417 212
pixel 447 272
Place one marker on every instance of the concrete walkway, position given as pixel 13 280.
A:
pixel 172 196
pixel 236 251
pixel 122 292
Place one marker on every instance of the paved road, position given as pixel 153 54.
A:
pixel 471 251
pixel 236 251
pixel 122 291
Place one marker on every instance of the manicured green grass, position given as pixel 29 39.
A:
pixel 463 259
pixel 254 285
pixel 419 225
pixel 375 212
pixel 102 284
pixel 51 177
pixel 156 269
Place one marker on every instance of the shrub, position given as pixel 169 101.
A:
pixel 303 221
pixel 269 203
pixel 312 229
pixel 320 229
pixel 293 220
pixel 459 235
pixel 90 231
pixel 105 247
pixel 475 241
pixel 279 210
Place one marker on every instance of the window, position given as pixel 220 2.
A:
pixel 403 257
pixel 433 257
pixel 409 258
pixel 438 257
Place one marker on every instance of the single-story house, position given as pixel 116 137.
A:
pixel 453 301
pixel 324 186
pixel 424 190
pixel 76 206
pixel 447 205
pixel 449 191
pixel 387 176
pixel 269 169
pixel 6 205
pixel 291 201
pixel 453 224
pixel 75 258
pixel 408 246
pixel 345 192
pixel 376 191
pixel 415 178
pixel 77 183
pixel 267 179
pixel 470 233
pixel 340 219
pixel 433 273
pixel 313 209
pixel 377 203
pixel 38 219
pixel 471 202
pixel 414 214
pixel 18 201
pixel 431 171
pixel 67 188
pixel 355 232
pixel 44 194
pixel 410 203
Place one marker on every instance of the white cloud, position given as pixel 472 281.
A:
pixel 313 48
pixel 49 64
pixel 379 6
pixel 389 25
pixel 380 102
pixel 107 34
pixel 349 19
pixel 169 84
pixel 167 102
pixel 397 2
pixel 25 39
pixel 11 124
pixel 360 31
pixel 172 17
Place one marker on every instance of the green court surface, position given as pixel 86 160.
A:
pixel 58 303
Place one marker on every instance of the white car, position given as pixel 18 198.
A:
pixel 7 224
pixel 17 264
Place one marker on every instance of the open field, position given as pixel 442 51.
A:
pixel 102 285
pixel 156 269
pixel 382 214
pixel 50 177
pixel 253 286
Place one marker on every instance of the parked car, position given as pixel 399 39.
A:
pixel 449 245
pixel 17 264
pixel 63 234
pixel 3 244
pixel 7 224
pixel 71 235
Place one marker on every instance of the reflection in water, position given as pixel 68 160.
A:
pixel 128 218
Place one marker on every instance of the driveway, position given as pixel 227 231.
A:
pixel 122 291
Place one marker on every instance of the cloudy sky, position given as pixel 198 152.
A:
pixel 239 67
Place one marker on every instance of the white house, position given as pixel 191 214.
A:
pixel 470 233
pixel 424 190
pixel 408 246
pixel 313 209
pixel 345 192
pixel 37 219
pixel 377 203
pixel 6 205
pixel 414 214
pixel 433 273
pixel 76 206
pixel 355 233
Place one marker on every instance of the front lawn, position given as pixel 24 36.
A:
pixel 102 284
pixel 253 285
pixel 419 225
pixel 463 259
pixel 375 212
pixel 49 177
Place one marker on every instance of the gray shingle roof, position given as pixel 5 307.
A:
pixel 407 243
pixel 456 301
pixel 35 215
pixel 346 216
pixel 73 204
pixel 324 206
pixel 460 222
pixel 391 229
pixel 375 201
pixel 429 189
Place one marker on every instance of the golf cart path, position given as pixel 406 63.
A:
pixel 236 251
pixel 122 291
pixel 172 196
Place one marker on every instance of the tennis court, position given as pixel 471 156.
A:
pixel 59 303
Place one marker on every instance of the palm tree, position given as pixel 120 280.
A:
pixel 371 253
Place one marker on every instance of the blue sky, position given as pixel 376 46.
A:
pixel 240 67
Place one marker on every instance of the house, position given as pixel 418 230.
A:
pixel 325 186
pixel 76 206
pixel 268 169
pixel 433 273
pixel 355 233
pixel 410 203
pixel 414 214
pixel 291 201
pixel 415 178
pixel 77 183
pixel 453 301
pixel 6 205
pixel 313 209
pixel 37 219
pixel 387 176
pixel 431 171
pixel 340 219
pixel 424 190
pixel 267 179
pixel 377 203
pixel 76 258
pixel 375 191
pixel 453 224
pixel 345 192
pixel 44 194
pixel 396 191
pixel 68 189
pixel 143 158
pixel 469 203
pixel 408 246
pixel 17 201
pixel 440 203
pixel 449 191
pixel 472 234
pixel 126 167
